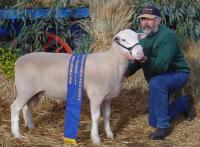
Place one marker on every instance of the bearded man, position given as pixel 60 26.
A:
pixel 166 72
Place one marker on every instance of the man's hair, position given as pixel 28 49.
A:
pixel 159 19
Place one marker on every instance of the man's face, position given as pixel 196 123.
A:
pixel 149 25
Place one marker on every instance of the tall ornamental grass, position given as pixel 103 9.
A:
pixel 107 18
pixel 192 53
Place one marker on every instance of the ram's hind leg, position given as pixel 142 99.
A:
pixel 20 101
pixel 27 111
pixel 106 115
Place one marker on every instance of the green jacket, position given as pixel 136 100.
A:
pixel 163 52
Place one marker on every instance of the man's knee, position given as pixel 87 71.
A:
pixel 155 84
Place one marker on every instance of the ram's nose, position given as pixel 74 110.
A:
pixel 138 53
pixel 143 59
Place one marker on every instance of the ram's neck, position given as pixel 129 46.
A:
pixel 119 60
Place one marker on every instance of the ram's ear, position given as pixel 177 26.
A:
pixel 141 36
pixel 116 39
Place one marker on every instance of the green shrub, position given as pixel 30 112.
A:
pixel 7 61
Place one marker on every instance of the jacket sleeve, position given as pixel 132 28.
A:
pixel 132 68
pixel 166 52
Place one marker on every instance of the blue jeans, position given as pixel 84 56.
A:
pixel 160 87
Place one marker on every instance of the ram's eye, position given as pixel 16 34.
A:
pixel 123 40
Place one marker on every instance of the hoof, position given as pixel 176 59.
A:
pixel 96 140
pixel 30 126
pixel 110 135
pixel 17 135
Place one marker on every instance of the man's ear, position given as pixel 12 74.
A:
pixel 141 36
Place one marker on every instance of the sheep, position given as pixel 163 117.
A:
pixel 46 73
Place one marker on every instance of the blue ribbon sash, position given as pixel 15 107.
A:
pixel 74 97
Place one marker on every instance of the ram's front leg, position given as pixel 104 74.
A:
pixel 95 114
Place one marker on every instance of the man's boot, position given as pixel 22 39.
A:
pixel 160 134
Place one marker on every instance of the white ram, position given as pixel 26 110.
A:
pixel 46 73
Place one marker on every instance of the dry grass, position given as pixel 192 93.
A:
pixel 128 120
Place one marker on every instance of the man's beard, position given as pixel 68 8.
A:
pixel 150 30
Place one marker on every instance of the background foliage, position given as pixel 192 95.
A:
pixel 32 33
pixel 7 60
pixel 31 36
